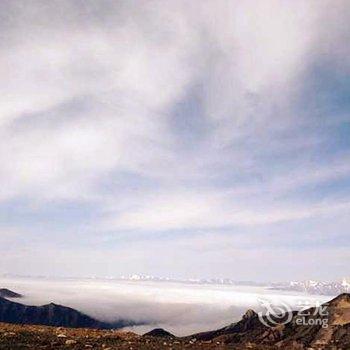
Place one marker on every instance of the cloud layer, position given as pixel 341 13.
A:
pixel 180 308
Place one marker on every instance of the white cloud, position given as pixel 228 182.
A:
pixel 88 94
pixel 207 210
pixel 132 72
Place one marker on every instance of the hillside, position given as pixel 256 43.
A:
pixel 18 337
pixel 292 335
pixel 51 315
pixel 6 293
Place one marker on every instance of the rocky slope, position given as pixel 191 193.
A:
pixel 50 315
pixel 308 334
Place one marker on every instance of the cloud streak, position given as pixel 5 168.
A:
pixel 169 117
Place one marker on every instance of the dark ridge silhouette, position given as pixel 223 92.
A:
pixel 6 293
pixel 52 315
pixel 160 333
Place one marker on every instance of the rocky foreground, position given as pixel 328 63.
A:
pixel 15 337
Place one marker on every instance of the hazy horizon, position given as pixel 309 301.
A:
pixel 191 139
pixel 170 278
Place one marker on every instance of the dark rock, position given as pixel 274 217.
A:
pixel 249 314
pixel 6 293
pixel 159 332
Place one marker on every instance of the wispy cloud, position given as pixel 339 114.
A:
pixel 169 116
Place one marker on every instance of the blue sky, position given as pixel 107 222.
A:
pixel 209 139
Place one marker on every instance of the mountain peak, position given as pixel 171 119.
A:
pixel 52 305
pixel 249 314
pixel 159 332
pixel 340 301
pixel 7 293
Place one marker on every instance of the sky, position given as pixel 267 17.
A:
pixel 175 138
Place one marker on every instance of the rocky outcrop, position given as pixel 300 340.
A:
pixel 160 333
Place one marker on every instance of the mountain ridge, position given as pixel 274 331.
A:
pixel 52 315
pixel 313 335
pixel 7 293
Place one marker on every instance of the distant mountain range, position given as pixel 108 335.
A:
pixel 315 287
pixel 50 315
pixel 308 286
pixel 215 281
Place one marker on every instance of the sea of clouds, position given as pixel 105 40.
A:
pixel 178 307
